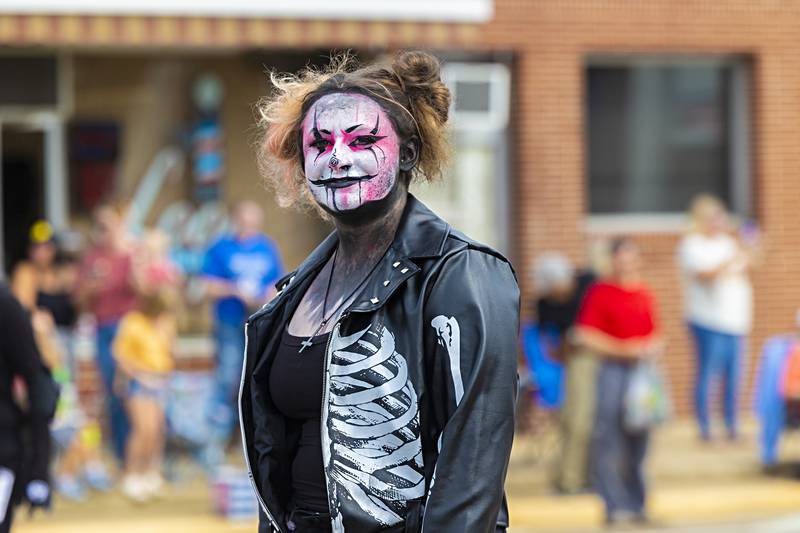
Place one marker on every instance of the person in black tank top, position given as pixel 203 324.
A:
pixel 60 306
pixel 44 279
pixel 345 434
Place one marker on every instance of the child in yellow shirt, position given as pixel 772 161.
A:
pixel 143 350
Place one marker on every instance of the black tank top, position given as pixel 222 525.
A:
pixel 60 306
pixel 295 386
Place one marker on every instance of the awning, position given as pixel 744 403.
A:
pixel 419 10
pixel 232 32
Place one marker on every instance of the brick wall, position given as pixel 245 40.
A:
pixel 551 40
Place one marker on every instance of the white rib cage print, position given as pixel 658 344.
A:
pixel 372 448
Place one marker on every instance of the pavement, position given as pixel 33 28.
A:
pixel 185 508
pixel 695 488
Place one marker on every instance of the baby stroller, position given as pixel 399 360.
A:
pixel 187 428
pixel 541 393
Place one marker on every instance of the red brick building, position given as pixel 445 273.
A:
pixel 688 96
pixel 554 43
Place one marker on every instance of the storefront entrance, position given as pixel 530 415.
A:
pixel 22 159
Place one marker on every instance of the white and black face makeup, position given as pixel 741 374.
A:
pixel 351 152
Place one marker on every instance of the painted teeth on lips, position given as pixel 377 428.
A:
pixel 338 183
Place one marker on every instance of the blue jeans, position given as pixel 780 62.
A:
pixel 223 409
pixel 118 417
pixel 718 357
pixel 617 455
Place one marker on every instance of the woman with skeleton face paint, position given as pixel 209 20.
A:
pixel 379 384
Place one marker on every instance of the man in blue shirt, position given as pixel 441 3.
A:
pixel 240 270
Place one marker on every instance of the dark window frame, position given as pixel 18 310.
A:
pixel 736 120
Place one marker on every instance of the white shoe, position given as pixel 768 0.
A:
pixel 134 487
pixel 154 483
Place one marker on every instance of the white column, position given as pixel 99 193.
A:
pixel 56 203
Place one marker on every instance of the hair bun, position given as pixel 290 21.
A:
pixel 417 69
pixel 420 76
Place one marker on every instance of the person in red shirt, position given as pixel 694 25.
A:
pixel 617 322
pixel 106 288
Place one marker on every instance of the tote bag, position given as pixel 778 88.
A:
pixel 647 402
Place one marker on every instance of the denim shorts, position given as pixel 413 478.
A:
pixel 153 388
pixel 64 435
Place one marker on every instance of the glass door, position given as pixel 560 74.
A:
pixel 33 181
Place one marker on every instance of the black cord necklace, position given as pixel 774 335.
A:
pixel 325 319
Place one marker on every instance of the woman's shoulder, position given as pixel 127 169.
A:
pixel 697 239
pixel 599 286
pixel 23 269
pixel 459 243
pixel 597 292
pixel 134 322
pixel 470 275
pixel 468 257
pixel 606 288
pixel 646 289
pixel 692 239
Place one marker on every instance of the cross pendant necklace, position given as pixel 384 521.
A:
pixel 307 343
pixel 325 319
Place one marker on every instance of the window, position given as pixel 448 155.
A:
pixel 661 130
pixel 480 95
pixel 473 197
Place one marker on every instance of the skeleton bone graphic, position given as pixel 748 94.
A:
pixel 371 440
pixel 449 334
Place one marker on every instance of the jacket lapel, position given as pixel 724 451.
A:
pixel 421 234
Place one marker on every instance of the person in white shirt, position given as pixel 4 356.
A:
pixel 718 299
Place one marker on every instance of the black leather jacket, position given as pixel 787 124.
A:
pixel 418 405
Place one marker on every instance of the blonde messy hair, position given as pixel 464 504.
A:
pixel 408 86
pixel 703 206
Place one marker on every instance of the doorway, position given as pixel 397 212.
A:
pixel 23 187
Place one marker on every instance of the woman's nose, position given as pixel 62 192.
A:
pixel 334 163
pixel 341 159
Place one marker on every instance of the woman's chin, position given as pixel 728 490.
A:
pixel 346 200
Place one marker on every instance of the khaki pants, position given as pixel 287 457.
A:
pixel 577 420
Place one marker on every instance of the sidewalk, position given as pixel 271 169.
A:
pixel 185 508
pixel 676 508
pixel 693 487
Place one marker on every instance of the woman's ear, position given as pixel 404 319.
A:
pixel 409 154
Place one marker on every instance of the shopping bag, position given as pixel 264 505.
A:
pixel 647 402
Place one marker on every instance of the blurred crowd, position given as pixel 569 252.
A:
pixel 122 293
pixel 596 354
